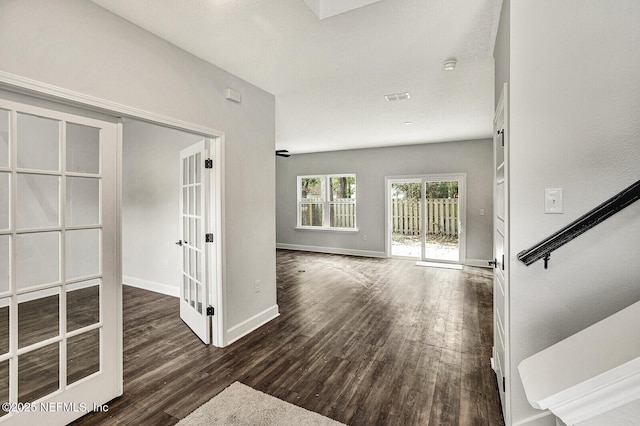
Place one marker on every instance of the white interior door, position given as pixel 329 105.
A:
pixel 195 224
pixel 60 291
pixel 501 252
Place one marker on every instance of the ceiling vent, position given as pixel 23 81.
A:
pixel 397 96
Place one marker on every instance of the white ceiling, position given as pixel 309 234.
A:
pixel 330 76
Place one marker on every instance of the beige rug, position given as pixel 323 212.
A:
pixel 240 405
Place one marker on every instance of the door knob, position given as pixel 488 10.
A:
pixel 493 263
pixel 179 242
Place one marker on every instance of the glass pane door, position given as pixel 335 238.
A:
pixel 442 221
pixel 406 219
pixel 58 289
pixel 193 202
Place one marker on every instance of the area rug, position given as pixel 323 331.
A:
pixel 240 405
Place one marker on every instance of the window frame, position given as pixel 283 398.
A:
pixel 326 203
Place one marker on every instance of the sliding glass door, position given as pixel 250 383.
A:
pixel 425 218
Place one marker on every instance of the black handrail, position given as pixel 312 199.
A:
pixel 613 205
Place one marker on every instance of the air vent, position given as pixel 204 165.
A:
pixel 397 96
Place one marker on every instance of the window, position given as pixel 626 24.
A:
pixel 327 201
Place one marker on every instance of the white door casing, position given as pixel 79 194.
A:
pixel 60 293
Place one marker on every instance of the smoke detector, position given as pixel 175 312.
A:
pixel 449 64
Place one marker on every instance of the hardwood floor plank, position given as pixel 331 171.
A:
pixel 445 409
pixel 363 341
pixel 473 408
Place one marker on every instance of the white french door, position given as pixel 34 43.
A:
pixel 196 237
pixel 60 295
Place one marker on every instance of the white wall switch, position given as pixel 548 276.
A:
pixel 553 200
pixel 481 212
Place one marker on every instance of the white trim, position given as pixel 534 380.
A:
pixel 219 319
pixel 80 285
pixel 534 420
pixel 119 302
pixel 602 400
pixel 480 263
pixel 65 96
pixel 447 265
pixel 38 294
pixel 237 332
pixel 324 229
pixel 169 290
pixel 331 250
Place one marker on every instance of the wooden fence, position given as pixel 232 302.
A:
pixel 442 216
pixel 341 215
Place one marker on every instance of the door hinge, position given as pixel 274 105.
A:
pixel 208 163
pixel 208 238
pixel 210 311
pixel 504 385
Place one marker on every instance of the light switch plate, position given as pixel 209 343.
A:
pixel 553 200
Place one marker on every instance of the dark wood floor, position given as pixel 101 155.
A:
pixel 363 341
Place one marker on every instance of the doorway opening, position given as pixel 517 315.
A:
pixel 425 218
pixel 169 210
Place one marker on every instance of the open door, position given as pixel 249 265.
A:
pixel 500 360
pixel 60 285
pixel 195 236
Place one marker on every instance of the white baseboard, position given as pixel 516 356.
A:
pixel 237 332
pixel 331 250
pixel 169 290
pixel 480 263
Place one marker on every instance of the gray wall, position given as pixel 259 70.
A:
pixel 78 46
pixel 371 166
pixel 574 124
pixel 150 200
